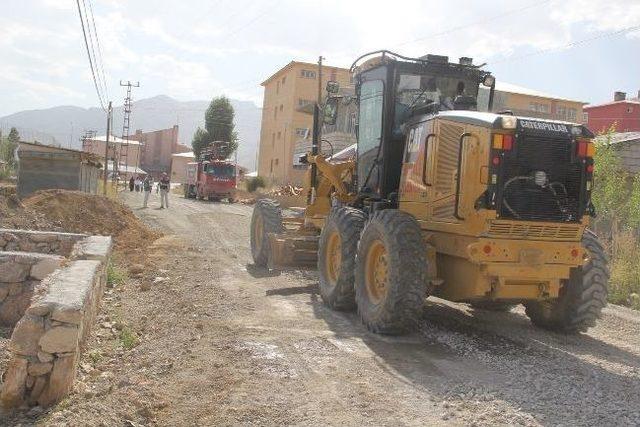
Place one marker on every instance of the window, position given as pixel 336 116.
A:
pixel 271 167
pixel 571 114
pixel 351 123
pixel 307 74
pixel 370 125
pixel 561 112
pixel 284 79
pixel 276 162
pixel 279 134
pixel 585 117
pixel 275 112
pixel 278 87
pixel 629 110
pixel 273 140
pixel 281 106
pixel 303 102
pixel 302 132
pixel 539 108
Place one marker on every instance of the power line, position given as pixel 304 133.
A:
pixel 86 43
pixel 101 62
pixel 570 45
pixel 474 23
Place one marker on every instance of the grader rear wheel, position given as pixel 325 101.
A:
pixel 337 256
pixel 582 297
pixel 391 273
pixel 266 218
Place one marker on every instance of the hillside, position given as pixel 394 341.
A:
pixel 65 124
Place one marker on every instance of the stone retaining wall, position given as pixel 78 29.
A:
pixel 46 242
pixel 47 341
pixel 20 276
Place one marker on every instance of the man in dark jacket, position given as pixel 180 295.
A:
pixel 165 185
pixel 131 184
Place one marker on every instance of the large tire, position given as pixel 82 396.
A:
pixel 391 273
pixel 582 297
pixel 493 305
pixel 337 257
pixel 266 218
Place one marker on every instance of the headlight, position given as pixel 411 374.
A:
pixel 509 122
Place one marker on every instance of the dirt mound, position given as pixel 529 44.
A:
pixel 78 212
pixel 13 213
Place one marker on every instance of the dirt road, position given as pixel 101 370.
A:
pixel 221 342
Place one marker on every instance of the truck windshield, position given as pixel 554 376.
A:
pixel 226 171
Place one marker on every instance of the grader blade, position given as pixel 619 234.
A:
pixel 291 252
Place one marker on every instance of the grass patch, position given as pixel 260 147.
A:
pixel 624 284
pixel 95 356
pixel 128 338
pixel 115 275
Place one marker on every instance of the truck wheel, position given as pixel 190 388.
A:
pixel 266 218
pixel 199 195
pixel 493 305
pixel 582 296
pixel 391 273
pixel 337 257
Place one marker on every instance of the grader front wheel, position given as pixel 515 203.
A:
pixel 266 218
pixel 391 273
pixel 337 256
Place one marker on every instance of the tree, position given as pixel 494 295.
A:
pixel 218 126
pixel 200 140
pixel 8 147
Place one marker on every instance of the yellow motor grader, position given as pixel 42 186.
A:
pixel 443 200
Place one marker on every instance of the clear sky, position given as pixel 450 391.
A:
pixel 195 49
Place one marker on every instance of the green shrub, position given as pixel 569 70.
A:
pixel 254 183
pixel 115 275
pixel 128 338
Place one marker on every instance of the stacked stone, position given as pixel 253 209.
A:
pixel 20 275
pixel 45 242
pixel 47 342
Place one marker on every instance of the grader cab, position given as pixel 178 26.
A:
pixel 443 200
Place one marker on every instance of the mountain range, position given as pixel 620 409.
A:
pixel 64 125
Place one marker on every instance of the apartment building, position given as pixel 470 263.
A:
pixel 622 112
pixel 532 103
pixel 286 126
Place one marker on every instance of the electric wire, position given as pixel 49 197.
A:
pixel 91 66
pixel 101 61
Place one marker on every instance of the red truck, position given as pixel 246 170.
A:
pixel 211 177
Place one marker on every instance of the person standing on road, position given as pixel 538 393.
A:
pixel 131 184
pixel 147 185
pixel 164 185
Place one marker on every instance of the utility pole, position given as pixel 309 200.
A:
pixel 125 123
pixel 320 58
pixel 106 151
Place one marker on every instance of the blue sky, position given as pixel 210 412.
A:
pixel 196 49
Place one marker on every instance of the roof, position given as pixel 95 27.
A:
pixel 511 88
pixel 634 101
pixel 126 169
pixel 620 137
pixel 294 63
pixel 32 147
pixel 188 155
pixel 115 139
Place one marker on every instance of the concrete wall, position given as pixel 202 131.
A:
pixel 284 92
pixel 47 170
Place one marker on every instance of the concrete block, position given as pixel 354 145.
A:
pixel 26 335
pixel 93 247
pixel 46 266
pixel 60 339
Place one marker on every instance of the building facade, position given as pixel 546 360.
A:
pixel 179 163
pixel 97 144
pixel 157 148
pixel 286 126
pixel 531 103
pixel 622 113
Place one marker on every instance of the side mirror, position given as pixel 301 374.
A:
pixel 333 87
pixel 330 112
pixel 489 80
